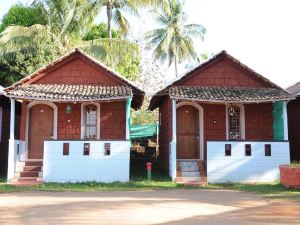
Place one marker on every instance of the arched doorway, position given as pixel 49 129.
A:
pixel 40 128
pixel 189 120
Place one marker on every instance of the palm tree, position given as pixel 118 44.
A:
pixel 173 41
pixel 66 20
pixel 116 10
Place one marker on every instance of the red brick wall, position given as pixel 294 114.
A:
pixel 78 71
pixel 23 121
pixel 113 120
pixel 165 133
pixel 213 131
pixel 259 121
pixel 226 74
pixel 68 125
pixel 294 128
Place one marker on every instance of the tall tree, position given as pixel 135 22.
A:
pixel 24 16
pixel 173 41
pixel 116 10
pixel 66 20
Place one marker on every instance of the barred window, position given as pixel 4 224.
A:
pixel 90 122
pixel 234 123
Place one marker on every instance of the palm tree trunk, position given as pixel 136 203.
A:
pixel 176 66
pixel 109 17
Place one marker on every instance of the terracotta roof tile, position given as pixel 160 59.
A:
pixel 222 94
pixel 62 92
pixel 294 89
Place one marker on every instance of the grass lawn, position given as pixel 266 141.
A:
pixel 138 181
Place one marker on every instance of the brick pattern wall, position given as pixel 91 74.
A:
pixel 113 120
pixel 78 71
pixel 217 131
pixel 294 128
pixel 225 74
pixel 68 125
pixel 165 133
pixel 259 121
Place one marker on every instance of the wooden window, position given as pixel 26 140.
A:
pixel 227 149
pixel 90 118
pixel 234 122
pixel 66 147
pixel 86 149
pixel 248 150
pixel 268 150
pixel 106 148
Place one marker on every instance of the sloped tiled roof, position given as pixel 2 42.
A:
pixel 62 92
pixel 157 99
pixel 222 94
pixel 137 94
pixel 294 89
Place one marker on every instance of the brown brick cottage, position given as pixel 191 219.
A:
pixel 75 122
pixel 226 115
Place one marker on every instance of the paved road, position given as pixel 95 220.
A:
pixel 149 207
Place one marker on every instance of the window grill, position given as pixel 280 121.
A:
pixel 90 122
pixel 234 123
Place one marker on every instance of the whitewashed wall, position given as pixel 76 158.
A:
pixel 241 168
pixel 77 167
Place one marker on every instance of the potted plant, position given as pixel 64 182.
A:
pixel 290 175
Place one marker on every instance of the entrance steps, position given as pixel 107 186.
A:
pixel 191 172
pixel 28 173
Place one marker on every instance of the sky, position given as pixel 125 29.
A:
pixel 263 34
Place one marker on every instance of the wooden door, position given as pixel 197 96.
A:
pixel 188 141
pixel 40 129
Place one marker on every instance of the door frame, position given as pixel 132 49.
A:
pixel 55 112
pixel 201 125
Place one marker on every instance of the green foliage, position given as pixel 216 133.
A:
pixel 99 31
pixel 144 116
pixel 23 16
pixel 130 67
pixel 66 20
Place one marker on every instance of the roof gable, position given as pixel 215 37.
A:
pixel 212 73
pixel 78 68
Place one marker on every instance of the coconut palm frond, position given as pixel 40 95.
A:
pixel 173 41
pixel 110 51
pixel 122 23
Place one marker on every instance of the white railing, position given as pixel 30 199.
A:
pixel 237 167
pixel 97 165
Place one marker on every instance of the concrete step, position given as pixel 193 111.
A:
pixel 33 163
pixel 25 183
pixel 194 183
pixel 27 179
pixel 188 174
pixel 29 174
pixel 32 168
pixel 191 179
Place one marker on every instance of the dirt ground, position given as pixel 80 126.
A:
pixel 148 207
